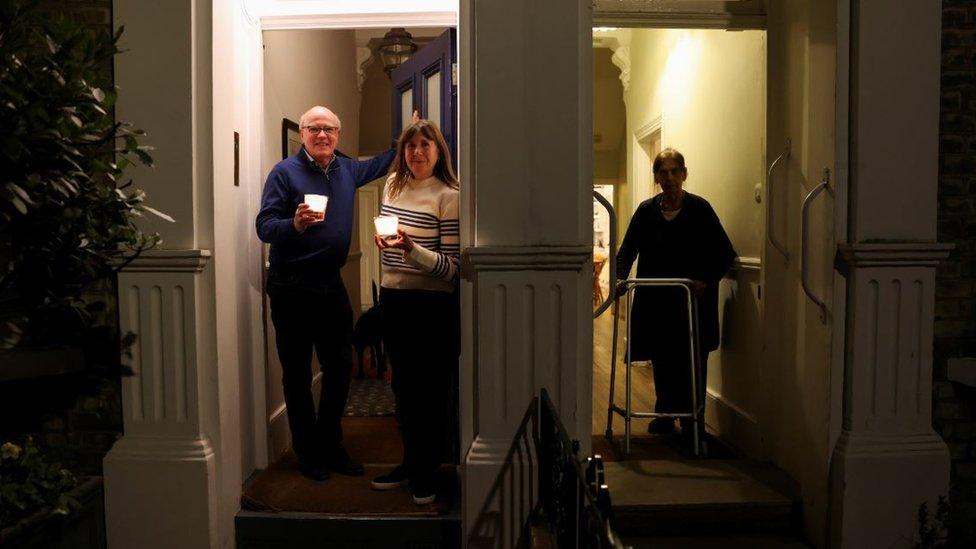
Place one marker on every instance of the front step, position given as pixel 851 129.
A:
pixel 697 497
pixel 285 530
pixel 282 509
pixel 768 541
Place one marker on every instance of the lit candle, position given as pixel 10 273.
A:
pixel 317 203
pixel 386 225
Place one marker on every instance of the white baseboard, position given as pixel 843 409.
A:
pixel 734 425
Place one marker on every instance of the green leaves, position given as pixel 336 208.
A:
pixel 29 481
pixel 65 222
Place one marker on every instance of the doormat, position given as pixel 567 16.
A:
pixel 370 397
pixel 282 488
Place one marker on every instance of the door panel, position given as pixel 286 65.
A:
pixel 425 83
pixel 406 107
pixel 797 342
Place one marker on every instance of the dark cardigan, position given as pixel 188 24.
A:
pixel 692 245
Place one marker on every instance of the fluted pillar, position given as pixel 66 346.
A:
pixel 888 460
pixel 164 466
pixel 527 234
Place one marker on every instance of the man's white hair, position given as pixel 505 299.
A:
pixel 311 112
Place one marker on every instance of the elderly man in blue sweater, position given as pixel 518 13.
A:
pixel 309 304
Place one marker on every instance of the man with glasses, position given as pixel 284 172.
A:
pixel 309 304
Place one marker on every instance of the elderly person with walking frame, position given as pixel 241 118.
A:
pixel 675 234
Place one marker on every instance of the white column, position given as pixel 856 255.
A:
pixel 527 216
pixel 160 479
pixel 163 478
pixel 888 460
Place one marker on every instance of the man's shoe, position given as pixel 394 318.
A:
pixel 661 426
pixel 392 480
pixel 423 489
pixel 314 471
pixel 340 462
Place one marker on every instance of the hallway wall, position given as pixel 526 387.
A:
pixel 304 68
pixel 240 392
pixel 708 88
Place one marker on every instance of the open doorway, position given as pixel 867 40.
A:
pixel 703 93
pixel 357 86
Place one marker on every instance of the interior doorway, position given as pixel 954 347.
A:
pixel 702 92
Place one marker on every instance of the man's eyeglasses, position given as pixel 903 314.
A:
pixel 315 130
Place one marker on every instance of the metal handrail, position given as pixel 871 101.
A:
pixel 612 258
pixel 824 185
pixel 770 232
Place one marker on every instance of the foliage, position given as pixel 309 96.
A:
pixel 29 481
pixel 67 218
pixel 932 531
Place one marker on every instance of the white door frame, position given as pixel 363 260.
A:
pixel 641 162
pixel 637 19
pixel 310 21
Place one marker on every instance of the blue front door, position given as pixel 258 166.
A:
pixel 426 83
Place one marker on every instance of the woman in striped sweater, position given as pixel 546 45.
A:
pixel 419 303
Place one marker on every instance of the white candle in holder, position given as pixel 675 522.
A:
pixel 386 225
pixel 317 203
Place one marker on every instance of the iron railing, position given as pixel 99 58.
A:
pixel 543 488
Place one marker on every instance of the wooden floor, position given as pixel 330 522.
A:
pixel 642 396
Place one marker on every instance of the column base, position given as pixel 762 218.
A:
pixel 160 493
pixel 497 498
pixel 878 482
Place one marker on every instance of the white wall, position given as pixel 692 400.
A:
pixel 240 351
pixel 304 68
pixel 708 88
pixel 609 119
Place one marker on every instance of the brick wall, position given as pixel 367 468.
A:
pixel 954 404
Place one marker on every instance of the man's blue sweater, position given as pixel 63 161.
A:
pixel 323 246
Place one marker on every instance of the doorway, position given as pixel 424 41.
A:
pixel 356 87
pixel 701 92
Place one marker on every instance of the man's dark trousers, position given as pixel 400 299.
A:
pixel 309 308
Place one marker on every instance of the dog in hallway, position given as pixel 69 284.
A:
pixel 368 334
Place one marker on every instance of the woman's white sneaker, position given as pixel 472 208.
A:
pixel 390 481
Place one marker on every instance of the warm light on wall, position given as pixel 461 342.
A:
pixel 680 73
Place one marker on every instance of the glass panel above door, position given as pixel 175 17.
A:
pixel 406 107
pixel 433 95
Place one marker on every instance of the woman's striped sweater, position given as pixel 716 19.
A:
pixel 428 212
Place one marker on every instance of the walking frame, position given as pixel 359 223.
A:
pixel 627 411
pixel 697 411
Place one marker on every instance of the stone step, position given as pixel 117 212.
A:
pixel 696 497
pixel 769 541
pixel 287 530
